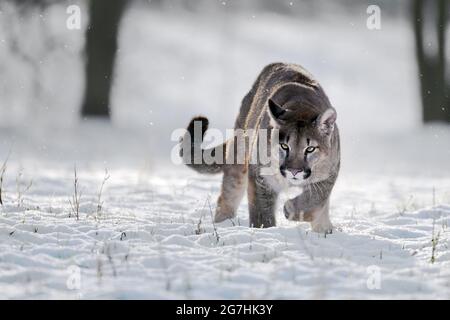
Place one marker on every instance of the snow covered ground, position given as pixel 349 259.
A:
pixel 153 236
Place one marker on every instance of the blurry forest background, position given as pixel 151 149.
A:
pixel 151 65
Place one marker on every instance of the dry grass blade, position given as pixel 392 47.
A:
pixel 2 176
pixel 75 201
pixel 100 192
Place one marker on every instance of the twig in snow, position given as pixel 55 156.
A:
pixel 406 205
pixel 434 196
pixel 99 196
pixel 75 201
pixel 2 176
pixel 212 220
pixel 199 229
pixel 20 191
pixel 434 243
pixel 110 259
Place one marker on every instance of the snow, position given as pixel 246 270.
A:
pixel 154 237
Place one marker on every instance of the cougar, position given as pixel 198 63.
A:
pixel 299 129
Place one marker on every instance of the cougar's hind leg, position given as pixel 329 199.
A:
pixel 233 187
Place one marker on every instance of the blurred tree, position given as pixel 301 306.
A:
pixel 101 47
pixel 434 83
pixel 17 16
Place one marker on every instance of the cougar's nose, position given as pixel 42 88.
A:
pixel 295 171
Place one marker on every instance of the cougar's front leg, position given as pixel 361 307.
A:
pixel 261 203
pixel 318 214
pixel 321 219
pixel 312 205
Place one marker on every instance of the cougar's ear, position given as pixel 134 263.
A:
pixel 275 110
pixel 326 121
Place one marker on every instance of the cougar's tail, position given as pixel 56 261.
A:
pixel 192 152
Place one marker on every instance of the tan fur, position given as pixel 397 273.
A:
pixel 285 98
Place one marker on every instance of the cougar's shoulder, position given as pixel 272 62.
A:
pixel 281 80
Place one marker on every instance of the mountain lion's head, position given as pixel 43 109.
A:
pixel 306 123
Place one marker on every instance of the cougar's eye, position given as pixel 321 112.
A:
pixel 284 146
pixel 310 149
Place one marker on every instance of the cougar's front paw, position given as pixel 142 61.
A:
pixel 223 213
pixel 322 226
pixel 294 213
pixel 328 229
pixel 290 212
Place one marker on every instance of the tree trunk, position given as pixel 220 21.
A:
pixel 101 47
pixel 443 23
pixel 432 68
